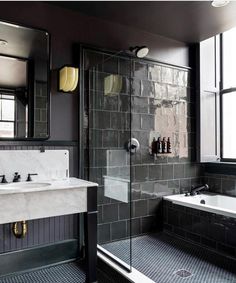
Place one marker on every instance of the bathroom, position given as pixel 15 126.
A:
pixel 135 160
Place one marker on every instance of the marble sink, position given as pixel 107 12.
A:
pixel 28 185
pixel 41 199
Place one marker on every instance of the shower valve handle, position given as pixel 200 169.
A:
pixel 133 145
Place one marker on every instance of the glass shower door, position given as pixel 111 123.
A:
pixel 109 133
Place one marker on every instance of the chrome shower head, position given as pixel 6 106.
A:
pixel 140 51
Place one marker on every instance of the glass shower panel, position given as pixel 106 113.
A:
pixel 109 158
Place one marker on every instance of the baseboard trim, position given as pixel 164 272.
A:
pixel 37 257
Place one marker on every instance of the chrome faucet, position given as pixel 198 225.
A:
pixel 197 189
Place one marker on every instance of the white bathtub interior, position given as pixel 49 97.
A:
pixel 214 203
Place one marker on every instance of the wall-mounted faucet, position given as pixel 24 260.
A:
pixel 197 189
pixel 29 179
pixel 4 180
pixel 16 178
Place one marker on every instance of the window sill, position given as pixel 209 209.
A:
pixel 221 163
pixel 223 168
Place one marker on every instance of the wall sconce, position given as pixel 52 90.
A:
pixel 68 78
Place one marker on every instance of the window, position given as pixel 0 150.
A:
pixel 228 95
pixel 7 115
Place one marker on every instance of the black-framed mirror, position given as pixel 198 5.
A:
pixel 24 83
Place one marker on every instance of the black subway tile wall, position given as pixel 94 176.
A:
pixel 221 178
pixel 47 230
pixel 154 100
pixel 210 230
pixel 221 183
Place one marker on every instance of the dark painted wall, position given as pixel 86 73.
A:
pixel 66 28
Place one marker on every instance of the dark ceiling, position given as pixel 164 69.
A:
pixel 187 21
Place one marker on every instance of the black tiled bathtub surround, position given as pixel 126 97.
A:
pixel 214 231
pixel 161 102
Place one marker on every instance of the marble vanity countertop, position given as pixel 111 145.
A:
pixel 46 185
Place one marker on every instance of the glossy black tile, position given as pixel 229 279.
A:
pixel 104 233
pixel 110 213
pixel 216 232
pixel 119 230
pixel 140 208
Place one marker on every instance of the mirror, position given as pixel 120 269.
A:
pixel 24 83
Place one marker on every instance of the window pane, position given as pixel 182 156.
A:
pixel 8 110
pixel 229 119
pixel 6 129
pixel 229 58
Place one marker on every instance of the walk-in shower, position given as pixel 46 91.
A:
pixel 129 103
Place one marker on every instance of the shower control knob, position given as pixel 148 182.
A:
pixel 133 145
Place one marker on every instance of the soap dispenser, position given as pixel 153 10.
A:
pixel 159 145
pixel 164 145
pixel 154 147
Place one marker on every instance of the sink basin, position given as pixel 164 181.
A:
pixel 24 185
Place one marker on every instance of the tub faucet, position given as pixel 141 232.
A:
pixel 197 189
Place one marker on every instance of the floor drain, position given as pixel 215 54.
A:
pixel 183 273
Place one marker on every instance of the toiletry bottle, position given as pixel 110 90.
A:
pixel 159 145
pixel 164 145
pixel 168 145
pixel 154 147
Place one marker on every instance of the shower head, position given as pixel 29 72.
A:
pixel 140 51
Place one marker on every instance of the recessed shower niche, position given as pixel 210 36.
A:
pixel 24 89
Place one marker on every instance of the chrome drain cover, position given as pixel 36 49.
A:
pixel 183 273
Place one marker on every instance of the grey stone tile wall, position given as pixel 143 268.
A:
pixel 156 100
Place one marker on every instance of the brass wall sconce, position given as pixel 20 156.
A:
pixel 19 233
pixel 68 78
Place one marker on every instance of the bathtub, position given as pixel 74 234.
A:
pixel 218 204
